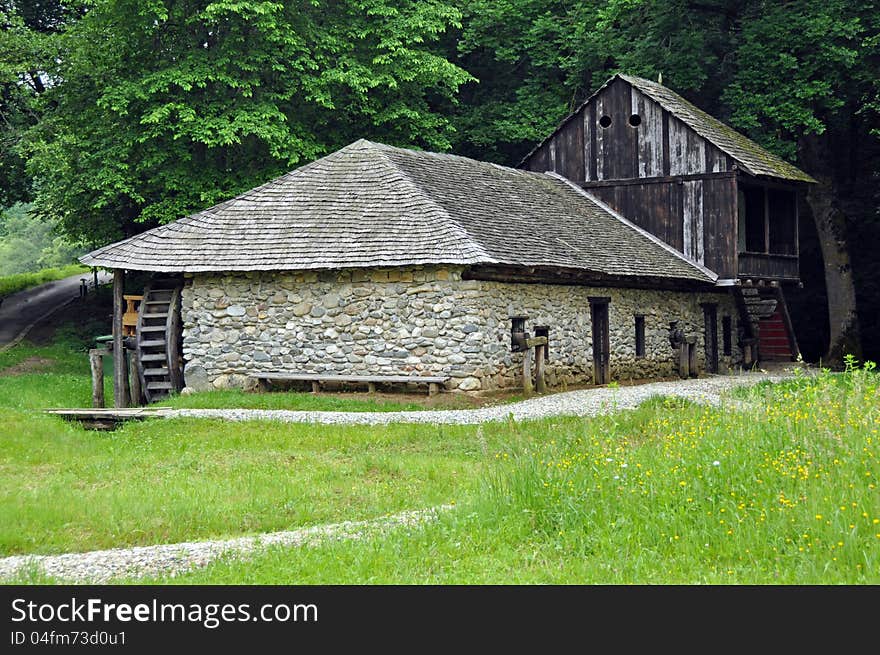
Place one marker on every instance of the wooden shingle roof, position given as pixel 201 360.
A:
pixel 370 205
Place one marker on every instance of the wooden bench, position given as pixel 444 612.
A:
pixel 433 381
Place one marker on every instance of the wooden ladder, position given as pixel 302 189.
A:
pixel 158 340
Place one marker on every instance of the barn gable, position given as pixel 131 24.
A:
pixel 635 128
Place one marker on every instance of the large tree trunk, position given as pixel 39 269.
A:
pixel 830 222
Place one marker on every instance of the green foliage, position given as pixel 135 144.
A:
pixel 14 283
pixel 29 243
pixel 168 107
pixel 775 71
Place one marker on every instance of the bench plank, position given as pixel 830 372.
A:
pixel 322 377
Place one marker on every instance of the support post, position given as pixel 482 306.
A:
pixel 316 386
pixel 693 370
pixel 119 368
pixel 134 379
pixel 527 371
pixel 433 388
pixel 96 362
pixel 683 360
pixel 371 387
pixel 95 278
pixel 540 358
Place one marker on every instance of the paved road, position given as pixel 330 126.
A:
pixel 21 310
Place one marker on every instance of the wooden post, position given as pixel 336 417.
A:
pixel 134 379
pixel 95 277
pixel 683 360
pixel 371 387
pixel 540 357
pixel 119 368
pixel 693 369
pixel 96 361
pixel 433 388
pixel 527 371
pixel 316 386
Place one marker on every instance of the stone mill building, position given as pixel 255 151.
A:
pixel 639 224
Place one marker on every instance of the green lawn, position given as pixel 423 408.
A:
pixel 784 492
pixel 670 493
pixel 10 284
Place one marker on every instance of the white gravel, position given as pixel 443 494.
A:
pixel 101 566
pixel 584 402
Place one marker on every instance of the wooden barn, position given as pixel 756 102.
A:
pixel 643 238
pixel 683 175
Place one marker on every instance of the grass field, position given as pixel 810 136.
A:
pixel 10 284
pixel 780 491
pixel 64 488
pixel 670 493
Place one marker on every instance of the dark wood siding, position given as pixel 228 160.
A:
pixel 660 144
pixel 688 197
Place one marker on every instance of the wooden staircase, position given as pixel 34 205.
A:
pixel 773 339
pixel 765 315
pixel 158 340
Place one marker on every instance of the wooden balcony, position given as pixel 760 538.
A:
pixel 768 266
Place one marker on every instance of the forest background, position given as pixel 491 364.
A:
pixel 119 115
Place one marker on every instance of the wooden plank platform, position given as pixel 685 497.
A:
pixel 109 419
pixel 433 381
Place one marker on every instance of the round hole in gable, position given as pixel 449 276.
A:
pixel 635 120
pixel 605 121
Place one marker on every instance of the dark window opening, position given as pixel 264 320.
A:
pixel 753 218
pixel 635 120
pixel 767 220
pixel 605 121
pixel 727 335
pixel 783 216
pixel 640 336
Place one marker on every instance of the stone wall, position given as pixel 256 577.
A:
pixel 420 321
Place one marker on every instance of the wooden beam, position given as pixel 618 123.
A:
pixel 96 362
pixel 119 368
pixel 527 372
pixel 134 378
pixel 540 356
pixel 666 179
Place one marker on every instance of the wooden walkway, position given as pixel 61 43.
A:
pixel 109 419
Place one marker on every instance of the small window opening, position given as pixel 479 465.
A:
pixel 605 121
pixel 727 335
pixel 640 336
pixel 754 219
pixel 635 120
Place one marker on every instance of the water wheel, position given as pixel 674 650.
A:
pixel 158 340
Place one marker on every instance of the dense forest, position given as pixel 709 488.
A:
pixel 118 115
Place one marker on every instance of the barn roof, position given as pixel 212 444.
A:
pixel 751 158
pixel 370 205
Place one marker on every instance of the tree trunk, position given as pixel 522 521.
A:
pixel 843 321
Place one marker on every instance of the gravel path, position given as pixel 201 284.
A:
pixel 100 566
pixel 584 402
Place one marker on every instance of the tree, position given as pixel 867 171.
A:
pixel 165 107
pixel 27 46
pixel 800 77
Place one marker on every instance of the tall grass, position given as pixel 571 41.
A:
pixel 668 493
pixel 10 284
